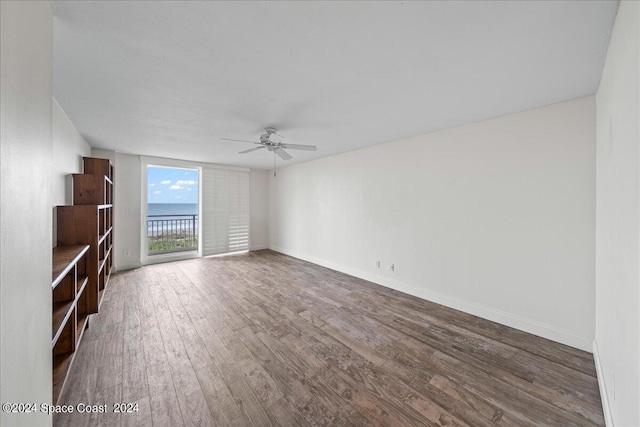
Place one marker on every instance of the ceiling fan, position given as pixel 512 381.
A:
pixel 277 147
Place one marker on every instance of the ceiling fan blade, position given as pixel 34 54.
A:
pixel 282 154
pixel 239 140
pixel 251 149
pixel 300 147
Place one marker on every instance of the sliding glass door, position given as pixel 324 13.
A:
pixel 192 209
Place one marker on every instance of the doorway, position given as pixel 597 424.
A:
pixel 172 212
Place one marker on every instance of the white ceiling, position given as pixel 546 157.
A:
pixel 170 79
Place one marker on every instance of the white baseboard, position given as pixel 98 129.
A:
pixel 125 267
pixel 508 319
pixel 258 247
pixel 606 409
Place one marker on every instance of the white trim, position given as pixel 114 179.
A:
pixel 606 408
pixel 144 189
pixel 258 247
pixel 527 325
pixel 145 162
pixel 126 267
pixel 172 256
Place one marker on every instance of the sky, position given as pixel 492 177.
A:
pixel 171 185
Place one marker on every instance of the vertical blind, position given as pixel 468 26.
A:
pixel 225 211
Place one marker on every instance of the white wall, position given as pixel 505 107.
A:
pixel 126 207
pixel 127 210
pixel 25 211
pixel 259 205
pixel 617 341
pixel 68 149
pixel 494 218
pixel 105 154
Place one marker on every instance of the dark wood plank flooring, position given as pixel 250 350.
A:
pixel 261 339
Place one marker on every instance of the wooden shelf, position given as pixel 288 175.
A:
pixel 82 281
pixel 97 166
pixel 64 258
pixel 61 313
pixel 82 224
pixel 61 365
pixel 68 284
pixel 81 260
pixel 82 285
pixel 92 189
pixel 83 321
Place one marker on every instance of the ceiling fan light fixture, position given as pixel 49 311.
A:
pixel 276 147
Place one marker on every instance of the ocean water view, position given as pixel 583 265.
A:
pixel 172 209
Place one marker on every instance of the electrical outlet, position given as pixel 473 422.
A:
pixel 127 252
pixel 393 267
pixel 377 264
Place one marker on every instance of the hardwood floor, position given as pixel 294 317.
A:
pixel 264 339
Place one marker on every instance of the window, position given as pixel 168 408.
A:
pixel 172 209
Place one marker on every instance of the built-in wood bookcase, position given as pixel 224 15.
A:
pixel 95 185
pixel 90 221
pixel 81 279
pixel 70 308
pixel 89 224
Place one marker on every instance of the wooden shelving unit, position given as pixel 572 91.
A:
pixel 83 260
pixel 91 189
pixel 90 221
pixel 70 312
pixel 95 185
pixel 82 224
pixel 97 166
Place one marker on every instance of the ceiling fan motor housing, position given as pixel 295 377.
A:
pixel 264 138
